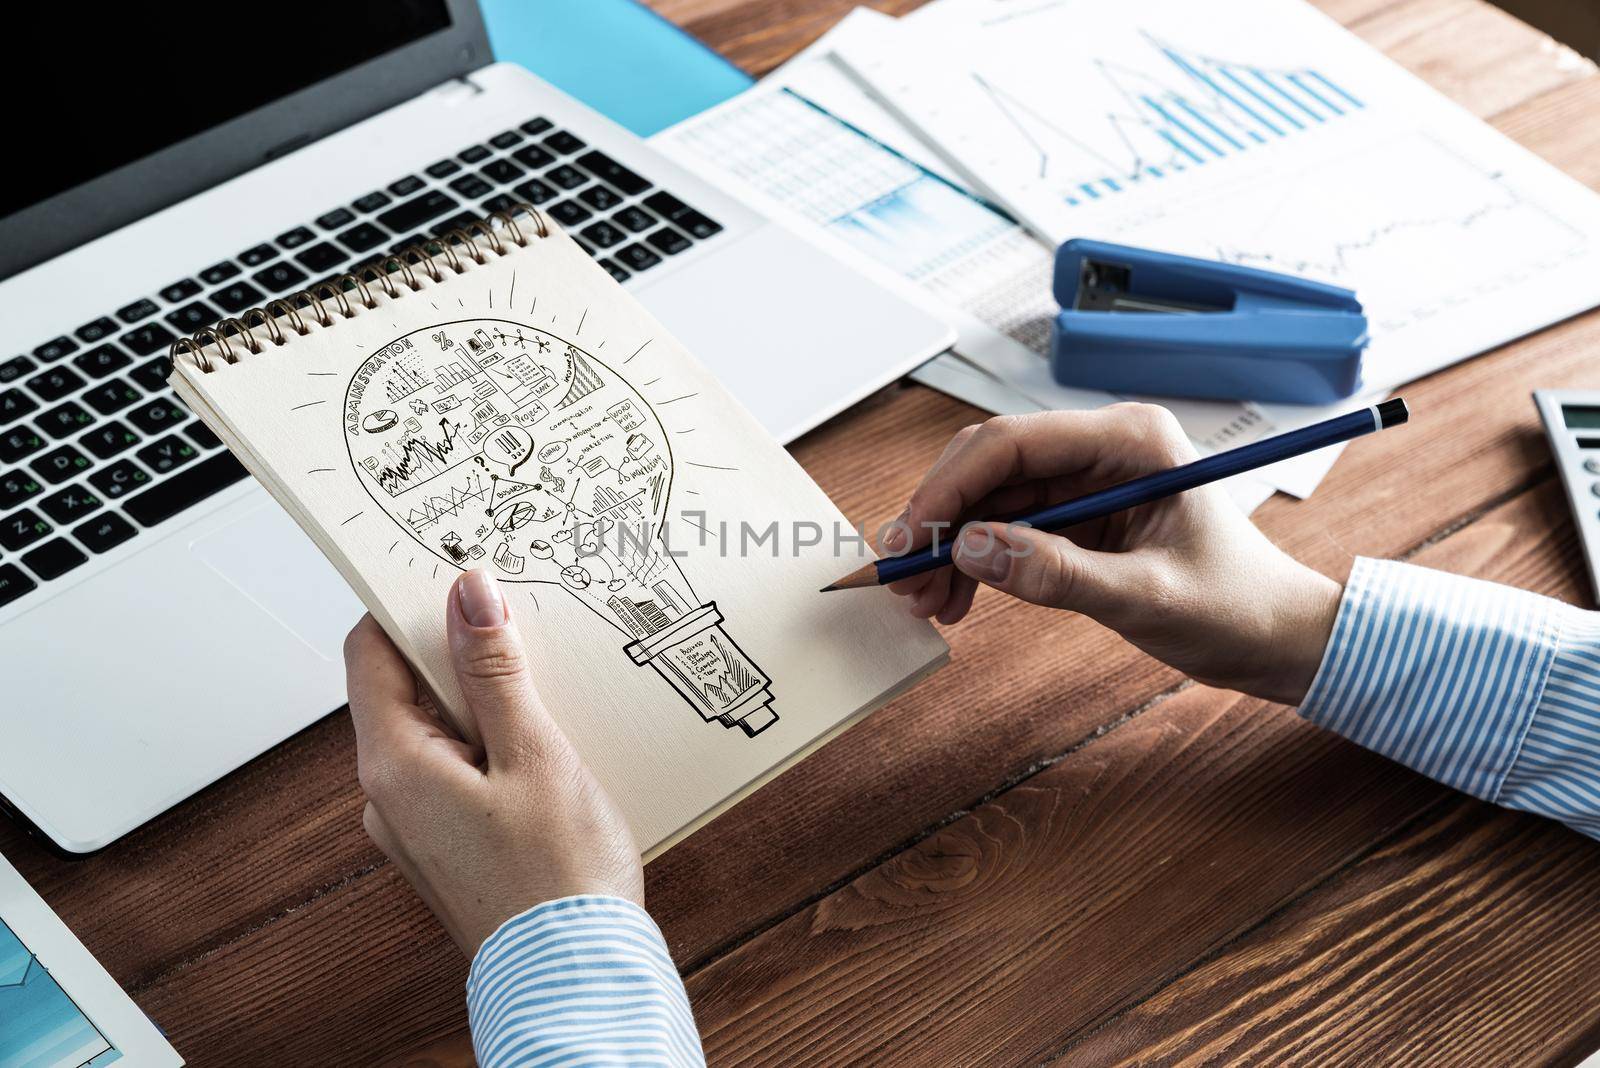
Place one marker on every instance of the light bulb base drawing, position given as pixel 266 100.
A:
pixel 709 670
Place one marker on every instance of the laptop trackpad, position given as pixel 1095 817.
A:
pixel 272 562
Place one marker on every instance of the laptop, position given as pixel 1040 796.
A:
pixel 161 620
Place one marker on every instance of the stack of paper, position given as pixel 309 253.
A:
pixel 956 146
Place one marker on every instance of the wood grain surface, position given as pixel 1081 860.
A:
pixel 1056 850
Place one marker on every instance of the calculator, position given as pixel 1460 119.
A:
pixel 1572 423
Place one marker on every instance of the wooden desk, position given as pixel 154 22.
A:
pixel 1056 850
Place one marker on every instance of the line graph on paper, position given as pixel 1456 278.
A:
pixel 1422 257
pixel 1052 120
pixel 451 501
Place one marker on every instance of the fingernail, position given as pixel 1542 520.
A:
pixel 898 534
pixel 481 603
pixel 982 554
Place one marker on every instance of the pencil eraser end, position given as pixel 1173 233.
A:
pixel 1392 412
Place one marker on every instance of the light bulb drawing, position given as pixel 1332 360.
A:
pixel 497 444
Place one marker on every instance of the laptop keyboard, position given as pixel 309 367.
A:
pixel 94 448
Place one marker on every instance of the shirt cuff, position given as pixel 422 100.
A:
pixel 1439 672
pixel 580 977
pixel 1557 768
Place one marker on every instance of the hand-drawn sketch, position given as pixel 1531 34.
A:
pixel 486 439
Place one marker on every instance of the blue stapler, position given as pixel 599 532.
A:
pixel 1137 321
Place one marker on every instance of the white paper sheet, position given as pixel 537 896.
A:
pixel 807 145
pixel 1258 132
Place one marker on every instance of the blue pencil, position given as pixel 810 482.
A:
pixel 1149 488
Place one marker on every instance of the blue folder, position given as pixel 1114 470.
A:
pixel 617 56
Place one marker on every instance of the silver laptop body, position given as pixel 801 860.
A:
pixel 161 620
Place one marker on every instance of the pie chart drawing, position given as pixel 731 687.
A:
pixel 518 515
pixel 378 422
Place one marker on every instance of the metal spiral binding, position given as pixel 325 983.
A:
pixel 393 275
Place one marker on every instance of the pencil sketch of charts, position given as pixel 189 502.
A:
pixel 452 501
pixel 572 494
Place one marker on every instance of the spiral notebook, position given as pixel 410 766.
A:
pixel 494 399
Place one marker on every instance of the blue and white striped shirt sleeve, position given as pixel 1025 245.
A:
pixel 579 981
pixel 1492 690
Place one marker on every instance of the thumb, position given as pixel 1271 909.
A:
pixel 1043 568
pixel 492 667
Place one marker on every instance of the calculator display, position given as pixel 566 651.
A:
pixel 1581 416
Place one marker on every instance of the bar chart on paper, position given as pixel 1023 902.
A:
pixel 1046 127
pixel 1258 133
pixel 1197 111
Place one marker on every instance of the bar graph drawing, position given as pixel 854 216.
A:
pixel 616 506
pixel 454 373
pixel 1193 111
pixel 407 380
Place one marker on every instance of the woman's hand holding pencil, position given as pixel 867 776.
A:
pixel 1187 578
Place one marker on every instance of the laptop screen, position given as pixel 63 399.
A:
pixel 108 84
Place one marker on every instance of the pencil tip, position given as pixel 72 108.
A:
pixel 866 575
